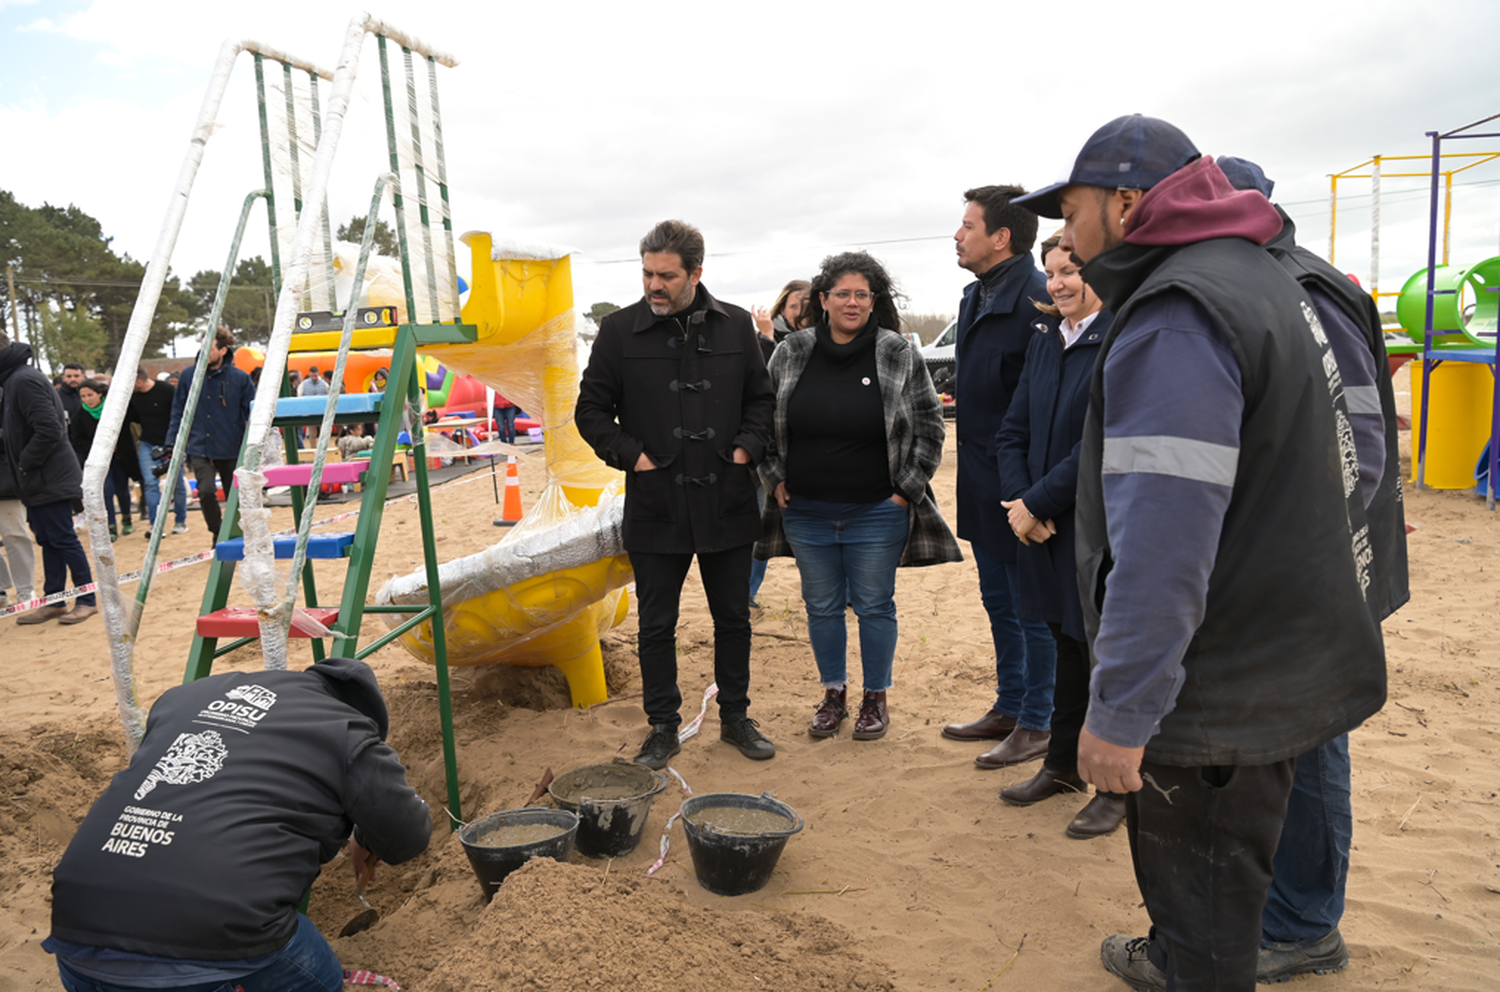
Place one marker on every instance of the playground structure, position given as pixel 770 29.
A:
pixel 552 586
pixel 1447 314
pixel 544 593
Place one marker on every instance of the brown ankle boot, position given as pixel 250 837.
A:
pixel 831 713
pixel 873 719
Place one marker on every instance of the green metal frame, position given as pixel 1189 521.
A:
pixel 403 389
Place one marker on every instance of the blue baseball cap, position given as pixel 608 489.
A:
pixel 1245 174
pixel 1132 152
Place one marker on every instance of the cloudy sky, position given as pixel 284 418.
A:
pixel 784 130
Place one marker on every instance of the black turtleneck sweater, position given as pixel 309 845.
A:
pixel 836 446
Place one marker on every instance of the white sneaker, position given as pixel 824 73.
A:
pixel 180 529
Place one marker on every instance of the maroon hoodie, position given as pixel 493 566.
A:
pixel 1196 203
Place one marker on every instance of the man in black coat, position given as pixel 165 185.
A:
pixel 151 407
pixel 677 396
pixel 995 326
pixel 48 477
pixel 67 387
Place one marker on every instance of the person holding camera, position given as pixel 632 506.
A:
pixel 151 408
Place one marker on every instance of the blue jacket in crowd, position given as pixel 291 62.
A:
pixel 990 352
pixel 223 411
pixel 1038 451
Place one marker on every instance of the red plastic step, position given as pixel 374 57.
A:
pixel 240 621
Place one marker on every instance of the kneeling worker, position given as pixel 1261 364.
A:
pixel 187 872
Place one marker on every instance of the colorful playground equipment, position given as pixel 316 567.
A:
pixel 1448 322
pixel 553 584
pixel 1481 279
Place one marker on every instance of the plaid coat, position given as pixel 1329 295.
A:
pixel 914 432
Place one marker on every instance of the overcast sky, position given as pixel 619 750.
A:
pixel 785 131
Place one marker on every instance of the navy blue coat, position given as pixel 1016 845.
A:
pixel 988 358
pixel 223 411
pixel 1038 445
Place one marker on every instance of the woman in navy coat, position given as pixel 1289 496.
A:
pixel 1038 452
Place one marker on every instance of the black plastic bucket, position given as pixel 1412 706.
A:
pixel 734 863
pixel 612 802
pixel 491 863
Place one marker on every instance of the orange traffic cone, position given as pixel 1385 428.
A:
pixel 510 513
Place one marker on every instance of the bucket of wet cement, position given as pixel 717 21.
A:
pixel 736 839
pixel 612 802
pixel 500 843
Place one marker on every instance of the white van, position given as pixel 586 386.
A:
pixel 939 358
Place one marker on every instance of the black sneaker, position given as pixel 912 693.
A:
pixel 743 734
pixel 658 748
pixel 1277 965
pixel 1125 958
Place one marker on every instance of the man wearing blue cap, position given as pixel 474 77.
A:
pixel 1223 552
pixel 1300 925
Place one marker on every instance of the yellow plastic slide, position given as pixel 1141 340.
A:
pixel 546 592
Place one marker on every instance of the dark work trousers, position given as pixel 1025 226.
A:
pixel 52 525
pixel 1070 703
pixel 203 471
pixel 658 593
pixel 1202 840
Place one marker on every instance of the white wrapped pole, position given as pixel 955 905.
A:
pixel 116 625
pixel 259 579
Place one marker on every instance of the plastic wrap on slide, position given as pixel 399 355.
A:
pixel 542 596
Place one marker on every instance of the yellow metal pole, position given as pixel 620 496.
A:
pixel 1333 217
pixel 1447 211
pixel 1375 227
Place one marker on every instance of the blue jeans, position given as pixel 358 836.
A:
pixel 757 575
pixel 505 423
pixel 52 526
pixel 305 964
pixel 152 485
pixel 1306 900
pixel 1025 653
pixel 854 558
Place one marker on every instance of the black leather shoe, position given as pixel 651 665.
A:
pixel 1045 784
pixel 831 713
pixel 1102 815
pixel 1323 957
pixel 990 727
pixel 659 748
pixel 1020 747
pixel 743 734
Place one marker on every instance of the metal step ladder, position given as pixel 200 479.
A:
pixel 303 275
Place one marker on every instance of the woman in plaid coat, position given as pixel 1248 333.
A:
pixel 858 433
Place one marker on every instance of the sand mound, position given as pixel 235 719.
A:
pixel 560 926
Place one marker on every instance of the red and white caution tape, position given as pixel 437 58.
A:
pixel 201 556
pixel 690 730
pixel 86 588
pixel 369 978
pixel 666 845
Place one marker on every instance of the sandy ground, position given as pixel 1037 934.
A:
pixel 910 874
